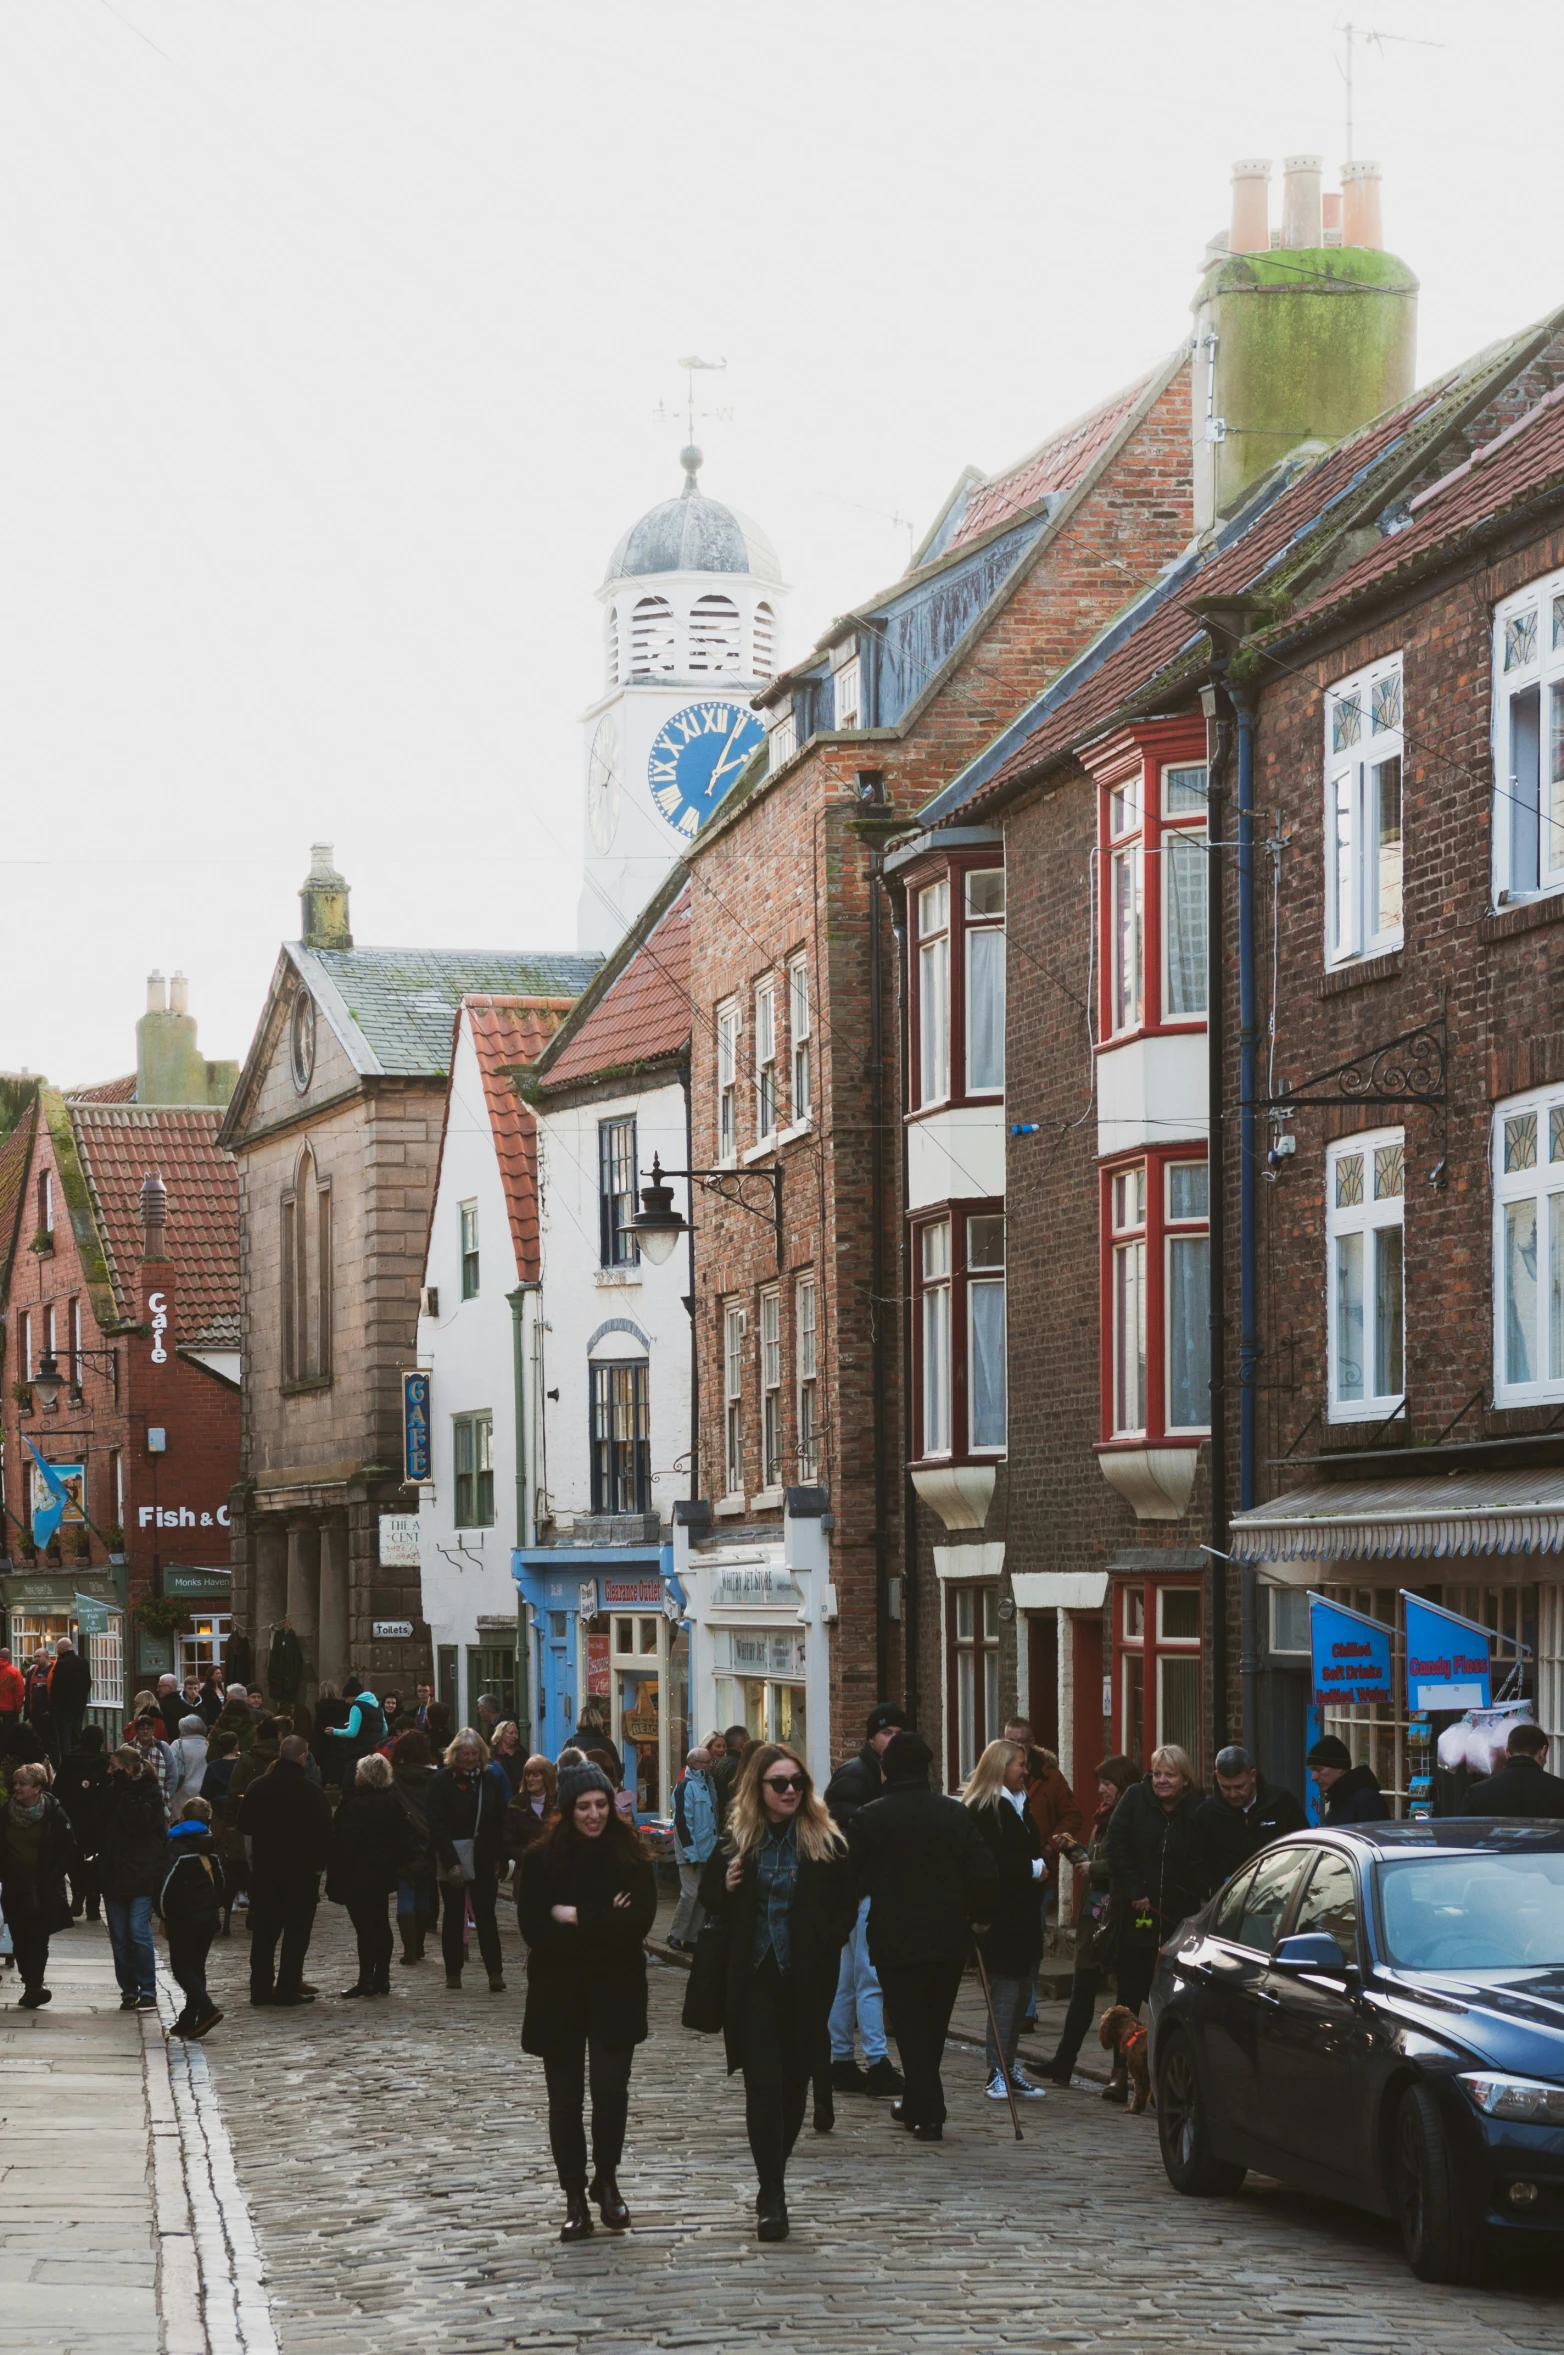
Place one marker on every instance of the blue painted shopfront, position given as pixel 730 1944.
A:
pixel 605 1633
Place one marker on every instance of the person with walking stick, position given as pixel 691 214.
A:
pixel 929 1876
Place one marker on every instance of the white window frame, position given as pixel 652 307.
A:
pixel 1364 1221
pixel 1542 1184
pixel 728 1026
pixel 933 920
pixel 735 1324
pixel 771 1388
pixel 765 1060
pixel 847 687
pixel 467 1248
pixel 1519 671
pixel 982 926
pixel 1357 922
pixel 782 742
pixel 799 1037
pixel 805 1313
pixel 936 1421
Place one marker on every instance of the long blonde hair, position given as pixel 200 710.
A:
pixel 984 1786
pixel 748 1822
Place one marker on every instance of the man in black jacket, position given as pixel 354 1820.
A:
pixel 70 1689
pixel 286 1822
pixel 1348 1793
pixel 1523 1785
pixel 1244 1814
pixel 859 2006
pixel 929 1875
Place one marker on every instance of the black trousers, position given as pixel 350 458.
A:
pixel 566 2073
pixel 372 1928
pixel 30 1943
pixel 777 2063
pixel 188 1948
pixel 919 1999
pixel 1081 2012
pixel 287 1910
pixel 85 1891
pixel 1135 1970
pixel 453 1916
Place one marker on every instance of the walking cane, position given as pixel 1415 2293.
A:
pixel 988 1998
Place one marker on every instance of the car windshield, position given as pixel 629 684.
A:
pixel 1473 1913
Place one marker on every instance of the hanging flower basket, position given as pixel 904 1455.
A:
pixel 161 1614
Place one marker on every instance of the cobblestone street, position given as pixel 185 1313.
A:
pixel 396 2163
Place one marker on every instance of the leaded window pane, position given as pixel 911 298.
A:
pixel 1346 720
pixel 1520 1291
pixel 1389 1172
pixel 1385 703
pixel 1558 621
pixel 1556 1133
pixel 1349 1181
pixel 1520 640
pixel 1520 1141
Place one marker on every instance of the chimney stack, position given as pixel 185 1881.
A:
pixel 157 1001
pixel 323 903
pixel 154 1216
pixel 179 995
pixel 1360 210
pixel 1251 231
pixel 1302 219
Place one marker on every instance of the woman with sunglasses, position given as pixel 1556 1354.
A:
pixel 782 1883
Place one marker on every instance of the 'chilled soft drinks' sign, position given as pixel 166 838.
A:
pixel 1351 1656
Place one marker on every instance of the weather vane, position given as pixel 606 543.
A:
pixel 663 415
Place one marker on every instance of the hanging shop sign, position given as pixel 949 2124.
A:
pixel 399 1541
pixel 200 1585
pixel 57 1494
pixel 1449 1659
pixel 92 1616
pixel 1350 1656
pixel 417 1455
pixel 619 1592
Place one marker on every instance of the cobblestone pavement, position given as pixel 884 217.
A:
pixel 395 2158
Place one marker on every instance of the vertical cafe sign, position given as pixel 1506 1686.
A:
pixel 417 1458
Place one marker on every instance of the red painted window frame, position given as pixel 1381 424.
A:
pixel 1152 1649
pixel 953 870
pixel 1145 750
pixel 1157 1159
pixel 931 1214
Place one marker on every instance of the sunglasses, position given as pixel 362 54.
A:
pixel 784 1782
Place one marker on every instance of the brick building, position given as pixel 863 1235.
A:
pixel 335 1126
pixel 121 1323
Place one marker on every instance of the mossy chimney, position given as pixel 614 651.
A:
pixel 323 903
pixel 170 1067
pixel 1301 335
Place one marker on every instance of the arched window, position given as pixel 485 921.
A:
pixel 611 647
pixel 306 1275
pixel 765 661
pixel 714 635
pixel 651 637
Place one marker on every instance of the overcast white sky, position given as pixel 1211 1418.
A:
pixel 333 332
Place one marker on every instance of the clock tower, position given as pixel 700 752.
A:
pixel 691 603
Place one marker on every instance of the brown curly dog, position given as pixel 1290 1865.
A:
pixel 1125 2037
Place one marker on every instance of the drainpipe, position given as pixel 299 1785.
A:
pixel 909 1499
pixel 1248 1289
pixel 518 1305
pixel 879 1304
pixel 695 1353
pixel 1219 753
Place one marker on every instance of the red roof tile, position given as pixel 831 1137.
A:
pixel 507 1035
pixel 119 1145
pixel 1056 465
pixel 643 1015
pixel 107 1091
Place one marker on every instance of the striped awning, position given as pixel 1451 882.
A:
pixel 1439 1519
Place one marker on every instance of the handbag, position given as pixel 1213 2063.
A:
pixel 705 1998
pixel 464 1857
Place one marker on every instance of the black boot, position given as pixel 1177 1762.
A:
pixel 358 1988
pixel 605 2190
pixel 771 2213
pixel 578 2217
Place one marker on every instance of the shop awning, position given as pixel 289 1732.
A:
pixel 1443 1518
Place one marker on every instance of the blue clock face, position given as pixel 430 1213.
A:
pixel 696 757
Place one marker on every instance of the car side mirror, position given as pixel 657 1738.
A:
pixel 1316 1950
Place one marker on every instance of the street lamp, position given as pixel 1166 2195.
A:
pixel 48 1380
pixel 658 1225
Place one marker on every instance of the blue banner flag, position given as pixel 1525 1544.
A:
pixel 417 1461
pixel 1350 1654
pixel 1449 1659
pixel 47 1518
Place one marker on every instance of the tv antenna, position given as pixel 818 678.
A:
pixel 1369 34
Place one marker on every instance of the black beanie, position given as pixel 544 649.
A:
pixel 888 1713
pixel 1328 1751
pixel 906 1758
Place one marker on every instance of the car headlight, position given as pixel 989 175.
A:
pixel 1529 2099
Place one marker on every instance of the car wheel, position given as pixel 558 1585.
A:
pixel 1182 2128
pixel 1442 2238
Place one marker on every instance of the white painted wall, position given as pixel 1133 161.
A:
pixel 469 1349
pixel 580 1295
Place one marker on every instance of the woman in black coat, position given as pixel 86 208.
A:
pixel 1012 1944
pixel 466 1816
pixel 588 1897
pixel 1154 1866
pixel 781 1884
pixel 36 1853
pixel 372 1837
pixel 81 1787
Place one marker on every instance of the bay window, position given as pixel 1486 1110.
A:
pixel 1126 907
pixel 985 980
pixel 1528 1187
pixel 933 904
pixel 1365 1182
pixel 1156 1285
pixel 960 1332
pixel 1363 854
pixel 957 1046
pixel 1528 741
pixel 1152 847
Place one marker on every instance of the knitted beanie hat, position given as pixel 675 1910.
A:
pixel 577 1780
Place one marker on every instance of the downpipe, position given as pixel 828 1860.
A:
pixel 1248 1252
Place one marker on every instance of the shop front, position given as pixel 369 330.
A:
pixel 606 1643
pixel 88 1606
pixel 759 1606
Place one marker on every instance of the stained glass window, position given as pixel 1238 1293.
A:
pixel 1520 1141
pixel 1349 1181
pixel 1520 640
pixel 1556 1133
pixel 1558 621
pixel 1385 703
pixel 1389 1172
pixel 1346 719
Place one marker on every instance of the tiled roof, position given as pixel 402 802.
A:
pixel 507 1035
pixel 107 1091
pixel 1527 458
pixel 393 1008
pixel 644 1013
pixel 15 1154
pixel 1054 467
pixel 119 1145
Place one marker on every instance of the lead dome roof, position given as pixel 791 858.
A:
pixel 692 533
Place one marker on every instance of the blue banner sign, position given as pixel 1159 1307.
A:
pixel 1351 1656
pixel 1449 1660
pixel 417 1461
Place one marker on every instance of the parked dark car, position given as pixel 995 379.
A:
pixel 1376 2014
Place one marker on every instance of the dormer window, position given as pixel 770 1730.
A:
pixel 653 644
pixel 849 695
pixel 764 640
pixel 714 635
pixel 782 742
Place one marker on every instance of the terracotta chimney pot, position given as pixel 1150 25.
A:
pixel 1360 209
pixel 1251 206
pixel 1302 220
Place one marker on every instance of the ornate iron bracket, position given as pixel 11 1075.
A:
pixel 1411 1069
